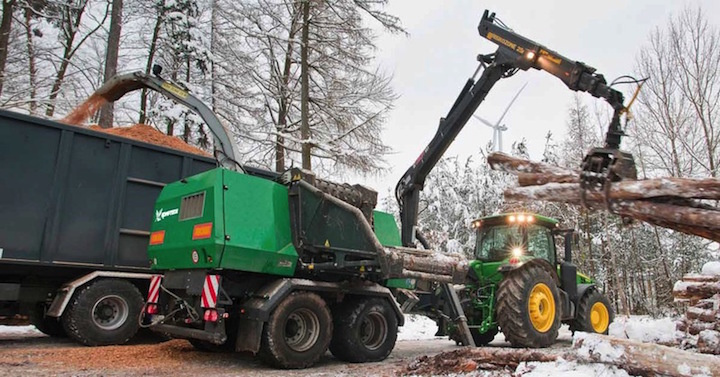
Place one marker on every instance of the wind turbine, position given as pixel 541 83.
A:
pixel 497 127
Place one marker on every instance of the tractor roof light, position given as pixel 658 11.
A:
pixel 521 218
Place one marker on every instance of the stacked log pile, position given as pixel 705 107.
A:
pixel 680 204
pixel 702 318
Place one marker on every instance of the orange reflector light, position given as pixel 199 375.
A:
pixel 157 237
pixel 202 231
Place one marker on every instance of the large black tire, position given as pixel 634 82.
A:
pixel 593 314
pixel 513 307
pixel 298 332
pixel 50 326
pixel 103 313
pixel 365 330
pixel 485 338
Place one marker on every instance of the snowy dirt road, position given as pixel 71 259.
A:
pixel 30 353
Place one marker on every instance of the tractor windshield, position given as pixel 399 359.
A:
pixel 499 242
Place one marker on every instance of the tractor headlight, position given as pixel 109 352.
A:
pixel 517 252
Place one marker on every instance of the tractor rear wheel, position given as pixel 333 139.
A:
pixel 593 313
pixel 298 332
pixel 527 307
pixel 365 330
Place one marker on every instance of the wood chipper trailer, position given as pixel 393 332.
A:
pixel 284 265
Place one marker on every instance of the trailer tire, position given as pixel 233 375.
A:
pixel 298 332
pixel 365 330
pixel 522 291
pixel 50 326
pixel 594 313
pixel 103 313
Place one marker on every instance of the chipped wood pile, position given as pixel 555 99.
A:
pixel 140 132
pixel 702 318
pixel 674 203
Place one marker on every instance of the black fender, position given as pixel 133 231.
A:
pixel 581 289
pixel 505 269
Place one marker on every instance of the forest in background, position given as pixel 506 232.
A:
pixel 297 84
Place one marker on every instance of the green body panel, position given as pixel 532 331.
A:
pixel 583 279
pixel 257 222
pixel 388 234
pixel 251 225
pixel 386 229
pixel 177 249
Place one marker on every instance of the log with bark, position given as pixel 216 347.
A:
pixel 642 358
pixel 674 203
pixel 635 357
pixel 468 359
pixel 695 291
pixel 702 319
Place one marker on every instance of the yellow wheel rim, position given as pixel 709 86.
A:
pixel 541 307
pixel 599 317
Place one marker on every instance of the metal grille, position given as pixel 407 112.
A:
pixel 192 206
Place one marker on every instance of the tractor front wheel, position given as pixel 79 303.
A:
pixel 593 313
pixel 527 307
pixel 298 332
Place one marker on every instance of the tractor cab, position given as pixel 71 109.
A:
pixel 514 238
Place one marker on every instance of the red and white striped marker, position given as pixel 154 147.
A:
pixel 154 291
pixel 210 289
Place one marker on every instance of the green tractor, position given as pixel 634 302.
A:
pixel 517 285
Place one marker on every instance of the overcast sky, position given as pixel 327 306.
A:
pixel 431 65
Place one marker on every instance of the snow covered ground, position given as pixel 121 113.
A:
pixel 420 328
pixel 640 328
pixel 18 332
pixel 645 329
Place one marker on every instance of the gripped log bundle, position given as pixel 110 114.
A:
pixel 674 203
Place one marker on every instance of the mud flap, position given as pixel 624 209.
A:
pixel 249 336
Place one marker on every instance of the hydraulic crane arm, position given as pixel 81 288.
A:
pixel 514 53
pixel 120 85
